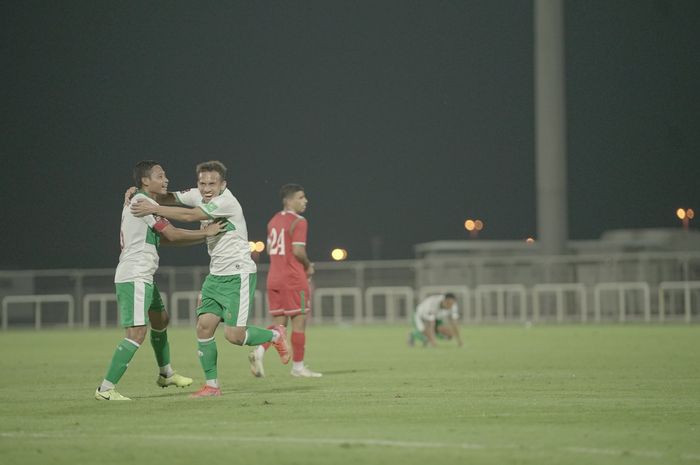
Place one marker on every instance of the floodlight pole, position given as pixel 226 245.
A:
pixel 550 126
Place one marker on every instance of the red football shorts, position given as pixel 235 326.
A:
pixel 289 302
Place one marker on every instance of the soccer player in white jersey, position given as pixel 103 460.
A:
pixel 138 299
pixel 228 290
pixel 436 315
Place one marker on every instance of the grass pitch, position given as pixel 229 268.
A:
pixel 543 395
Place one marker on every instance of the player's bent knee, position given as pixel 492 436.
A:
pixel 235 335
pixel 136 334
pixel 159 320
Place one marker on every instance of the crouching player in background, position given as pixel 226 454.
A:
pixel 436 316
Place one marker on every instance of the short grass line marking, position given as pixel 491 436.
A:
pixel 348 442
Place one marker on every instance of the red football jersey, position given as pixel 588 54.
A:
pixel 284 230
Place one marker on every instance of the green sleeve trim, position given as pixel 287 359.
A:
pixel 201 207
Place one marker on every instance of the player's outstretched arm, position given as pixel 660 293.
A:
pixel 178 236
pixel 142 208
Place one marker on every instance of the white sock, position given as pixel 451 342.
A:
pixel 298 365
pixel 213 383
pixel 167 371
pixel 259 351
pixel 106 386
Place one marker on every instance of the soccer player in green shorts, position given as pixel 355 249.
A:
pixel 228 290
pixel 436 315
pixel 138 298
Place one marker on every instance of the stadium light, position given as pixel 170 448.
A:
pixel 259 246
pixel 685 215
pixel 251 244
pixel 473 226
pixel 339 254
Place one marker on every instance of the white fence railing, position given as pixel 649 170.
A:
pixel 686 287
pixel 560 290
pixel 336 294
pixel 622 290
pixel 38 302
pixel 506 295
pixel 614 301
pixel 619 287
pixel 393 296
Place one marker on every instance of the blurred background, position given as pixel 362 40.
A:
pixel 412 125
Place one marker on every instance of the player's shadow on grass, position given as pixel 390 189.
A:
pixel 342 372
pixel 277 390
pixel 165 394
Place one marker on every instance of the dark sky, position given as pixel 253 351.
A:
pixel 401 118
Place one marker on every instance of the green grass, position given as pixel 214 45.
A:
pixel 544 395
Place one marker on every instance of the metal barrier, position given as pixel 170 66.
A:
pixel 558 289
pixel 392 294
pixel 192 298
pixel 38 301
pixel 501 291
pixel 464 297
pixel 684 286
pixel 337 293
pixel 102 299
pixel 622 288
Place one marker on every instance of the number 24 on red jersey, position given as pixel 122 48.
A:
pixel 275 242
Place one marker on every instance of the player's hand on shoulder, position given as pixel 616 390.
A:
pixel 142 207
pixel 130 192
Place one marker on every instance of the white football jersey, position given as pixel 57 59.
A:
pixel 139 238
pixel 229 252
pixel 430 309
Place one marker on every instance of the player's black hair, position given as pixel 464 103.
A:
pixel 143 170
pixel 213 165
pixel 449 295
pixel 290 189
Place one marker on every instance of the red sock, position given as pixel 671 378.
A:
pixel 298 344
pixel 268 344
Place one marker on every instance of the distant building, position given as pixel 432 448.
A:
pixel 615 241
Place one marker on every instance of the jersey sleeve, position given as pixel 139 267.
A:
pixel 299 233
pixel 148 219
pixel 188 197
pixel 219 207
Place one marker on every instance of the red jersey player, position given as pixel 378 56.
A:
pixel 288 290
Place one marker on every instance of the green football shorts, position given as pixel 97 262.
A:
pixel 135 300
pixel 229 297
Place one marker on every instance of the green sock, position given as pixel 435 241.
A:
pixel 207 357
pixel 159 341
pixel 120 360
pixel 419 335
pixel 255 336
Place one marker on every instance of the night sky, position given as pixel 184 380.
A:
pixel 401 118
